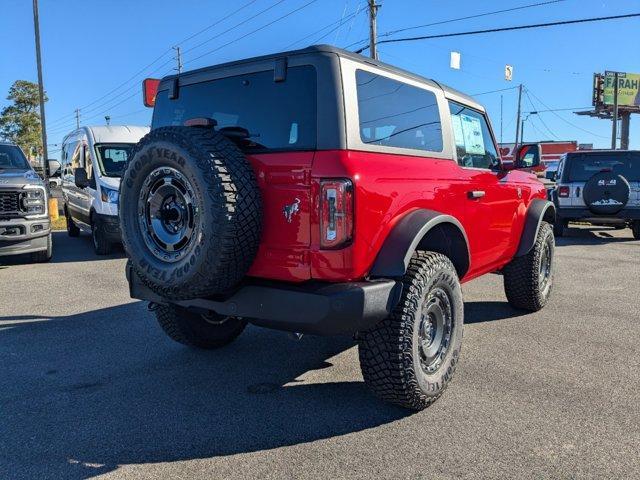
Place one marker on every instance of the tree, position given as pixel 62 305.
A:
pixel 20 122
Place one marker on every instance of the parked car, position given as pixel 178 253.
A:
pixel 93 160
pixel 24 216
pixel 601 187
pixel 552 170
pixel 319 191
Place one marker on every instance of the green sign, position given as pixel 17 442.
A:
pixel 628 89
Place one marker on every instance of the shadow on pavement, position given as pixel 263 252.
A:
pixel 67 250
pixel 479 312
pixel 80 395
pixel 593 236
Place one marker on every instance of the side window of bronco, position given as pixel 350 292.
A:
pixel 474 143
pixel 396 114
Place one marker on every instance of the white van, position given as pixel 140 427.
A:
pixel 93 160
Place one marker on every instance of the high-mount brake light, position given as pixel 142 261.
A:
pixel 564 191
pixel 149 91
pixel 336 213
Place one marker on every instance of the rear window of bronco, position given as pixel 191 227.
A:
pixel 277 115
pixel 581 167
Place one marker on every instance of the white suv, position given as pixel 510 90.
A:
pixel 93 160
pixel 601 187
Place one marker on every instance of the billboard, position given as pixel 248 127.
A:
pixel 628 89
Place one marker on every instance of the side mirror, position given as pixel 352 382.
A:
pixel 527 156
pixel 80 177
pixel 54 166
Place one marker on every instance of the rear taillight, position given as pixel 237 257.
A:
pixel 563 192
pixel 336 213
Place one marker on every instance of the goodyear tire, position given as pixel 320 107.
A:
pixel 190 212
pixel 410 357
pixel 528 280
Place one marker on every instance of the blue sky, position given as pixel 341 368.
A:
pixel 91 48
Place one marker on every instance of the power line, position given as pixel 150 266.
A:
pixel 208 27
pixel 252 31
pixel 468 17
pixel 138 73
pixel 526 92
pixel 338 22
pixel 261 12
pixel 564 119
pixel 493 91
pixel 505 29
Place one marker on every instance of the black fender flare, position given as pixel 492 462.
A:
pixel 538 211
pixel 405 238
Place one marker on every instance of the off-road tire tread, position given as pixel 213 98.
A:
pixel 520 276
pixel 385 352
pixel 173 322
pixel 226 173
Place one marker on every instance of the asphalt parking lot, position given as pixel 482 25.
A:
pixel 91 387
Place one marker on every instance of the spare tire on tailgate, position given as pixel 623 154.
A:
pixel 606 193
pixel 190 212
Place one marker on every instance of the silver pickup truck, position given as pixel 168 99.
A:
pixel 24 215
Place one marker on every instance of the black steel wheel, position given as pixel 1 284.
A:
pixel 410 357
pixel 528 280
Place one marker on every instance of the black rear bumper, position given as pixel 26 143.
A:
pixel 575 214
pixel 314 308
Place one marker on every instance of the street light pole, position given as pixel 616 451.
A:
pixel 43 124
pixel 614 130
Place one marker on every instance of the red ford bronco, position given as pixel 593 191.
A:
pixel 318 191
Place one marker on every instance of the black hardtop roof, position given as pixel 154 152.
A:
pixel 322 49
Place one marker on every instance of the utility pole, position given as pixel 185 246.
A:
pixel 373 29
pixel 624 130
pixel 501 98
pixel 614 130
pixel 43 123
pixel 77 117
pixel 178 59
pixel 515 148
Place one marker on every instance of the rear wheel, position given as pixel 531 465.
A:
pixel 528 280
pixel 409 358
pixel 72 228
pixel 635 227
pixel 199 331
pixel 559 226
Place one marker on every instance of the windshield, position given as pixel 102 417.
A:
pixel 12 158
pixel 112 158
pixel 584 166
pixel 264 115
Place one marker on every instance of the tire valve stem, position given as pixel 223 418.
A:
pixel 295 336
pixel 152 307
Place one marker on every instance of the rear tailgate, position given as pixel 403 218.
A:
pixel 285 184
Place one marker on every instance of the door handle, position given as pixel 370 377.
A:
pixel 474 194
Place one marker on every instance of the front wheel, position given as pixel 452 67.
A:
pixel 409 358
pixel 44 256
pixel 199 331
pixel 528 279
pixel 72 229
pixel 100 243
